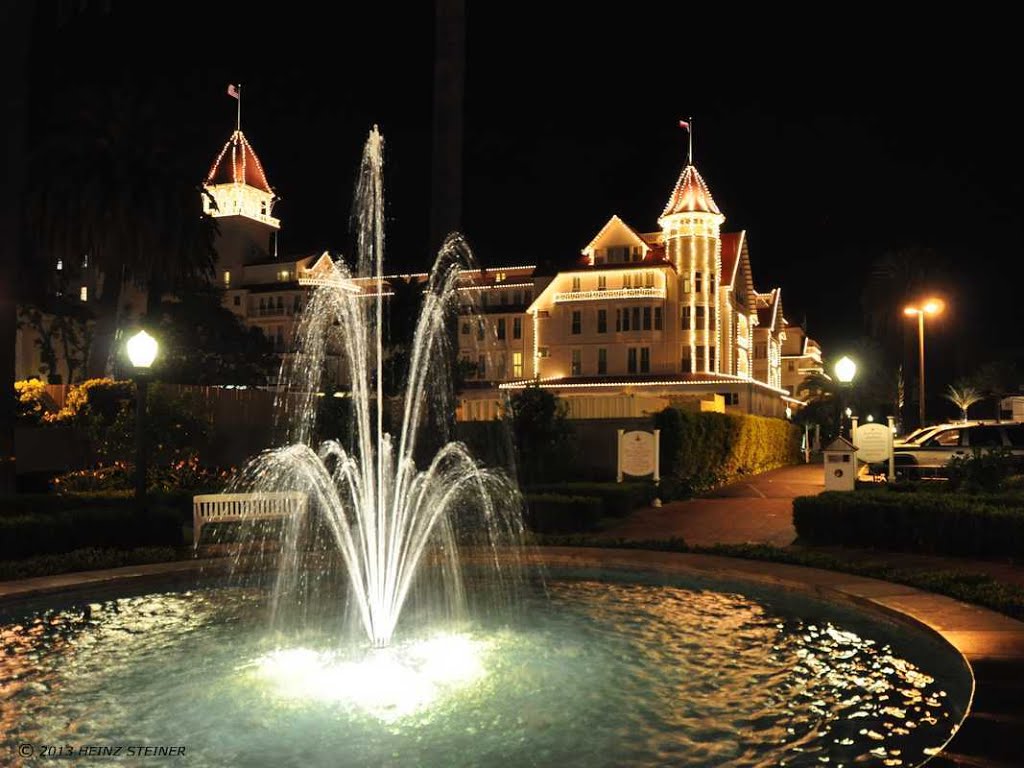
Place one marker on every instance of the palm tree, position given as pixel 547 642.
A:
pixel 107 182
pixel 963 396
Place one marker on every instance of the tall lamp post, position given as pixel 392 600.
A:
pixel 142 349
pixel 929 307
pixel 845 370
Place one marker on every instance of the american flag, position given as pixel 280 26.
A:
pixel 233 92
pixel 682 124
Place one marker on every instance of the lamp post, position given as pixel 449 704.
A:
pixel 845 370
pixel 142 349
pixel 929 307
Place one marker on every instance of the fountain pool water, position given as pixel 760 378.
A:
pixel 599 669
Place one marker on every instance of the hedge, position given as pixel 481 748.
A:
pixel 617 499
pixel 947 524
pixel 703 450
pixel 555 513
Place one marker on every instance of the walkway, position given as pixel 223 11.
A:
pixel 754 509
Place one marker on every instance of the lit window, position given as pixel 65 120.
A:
pixel 60 264
pixel 517 364
pixel 83 293
pixel 227 278
pixel 602 283
pixel 577 362
pixel 576 284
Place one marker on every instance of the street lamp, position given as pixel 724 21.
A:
pixel 929 307
pixel 142 349
pixel 845 370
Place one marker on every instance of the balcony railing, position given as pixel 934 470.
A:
pixel 615 293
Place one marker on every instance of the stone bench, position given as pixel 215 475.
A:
pixel 235 507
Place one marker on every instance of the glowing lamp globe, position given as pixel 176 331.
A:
pixel 142 349
pixel 846 369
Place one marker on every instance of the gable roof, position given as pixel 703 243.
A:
pixel 612 222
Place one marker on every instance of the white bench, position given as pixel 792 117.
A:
pixel 235 507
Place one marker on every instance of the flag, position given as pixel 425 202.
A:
pixel 684 124
pixel 233 92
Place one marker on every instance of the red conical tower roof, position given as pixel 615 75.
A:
pixel 238 164
pixel 691 194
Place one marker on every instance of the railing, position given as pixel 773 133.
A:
pixel 272 312
pixel 235 507
pixel 615 293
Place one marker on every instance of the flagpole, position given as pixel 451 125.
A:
pixel 689 151
pixel 238 118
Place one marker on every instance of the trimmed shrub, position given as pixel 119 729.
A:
pixel 948 524
pixel 617 499
pixel 703 450
pixel 115 524
pixel 555 513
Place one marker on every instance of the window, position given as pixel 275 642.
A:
pixel 296 303
pixel 602 283
pixel 577 322
pixel 631 359
pixel 711 282
pixel 502 298
pixel 517 297
pixel 947 438
pixel 483 299
pixel 85 261
pixel 517 327
pixel 577 362
pixel 645 359
pixel 280 304
pixel 618 320
pixel 517 365
pixel 686 285
pixel 479 330
pixel 501 328
pixel 602 360
pixel 711 358
pixel 985 437
pixel 60 264
pixel 790 366
pixel 626 281
pixel 636 318
pixel 684 365
pixel 700 318
pixel 636 253
pixel 481 366
pixel 602 321
pixel 238 301
pixel 711 317
pixel 700 358
pixel 647 318
pixel 686 319
pixel 649 279
pixel 227 278
pixel 730 398
pixel 625 319
pixel 465 328
pixel 599 256
pixel 697 281
pixel 760 351
pixel 657 319
pixel 576 284
pixel 83 293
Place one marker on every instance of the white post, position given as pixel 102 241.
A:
pixel 807 444
pixel 853 439
pixel 657 455
pixel 892 456
pixel 618 456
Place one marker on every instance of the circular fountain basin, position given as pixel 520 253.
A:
pixel 597 668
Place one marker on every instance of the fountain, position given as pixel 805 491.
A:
pixel 383 512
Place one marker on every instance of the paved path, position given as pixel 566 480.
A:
pixel 754 509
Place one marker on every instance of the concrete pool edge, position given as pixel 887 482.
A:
pixel 978 635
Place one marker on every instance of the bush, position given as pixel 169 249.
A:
pixel 981 471
pixel 113 524
pixel 32 403
pixel 556 513
pixel 617 499
pixel 181 475
pixel 948 524
pixel 703 450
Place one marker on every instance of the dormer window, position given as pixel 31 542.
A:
pixel 576 284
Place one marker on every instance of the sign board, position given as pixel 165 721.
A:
pixel 638 454
pixel 873 442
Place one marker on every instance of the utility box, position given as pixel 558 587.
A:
pixel 840 465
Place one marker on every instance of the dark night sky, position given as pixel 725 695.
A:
pixel 830 143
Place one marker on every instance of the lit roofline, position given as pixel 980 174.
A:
pixel 729 379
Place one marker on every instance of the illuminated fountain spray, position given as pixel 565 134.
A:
pixel 384 514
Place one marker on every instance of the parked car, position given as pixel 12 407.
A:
pixel 933 451
pixel 917 435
